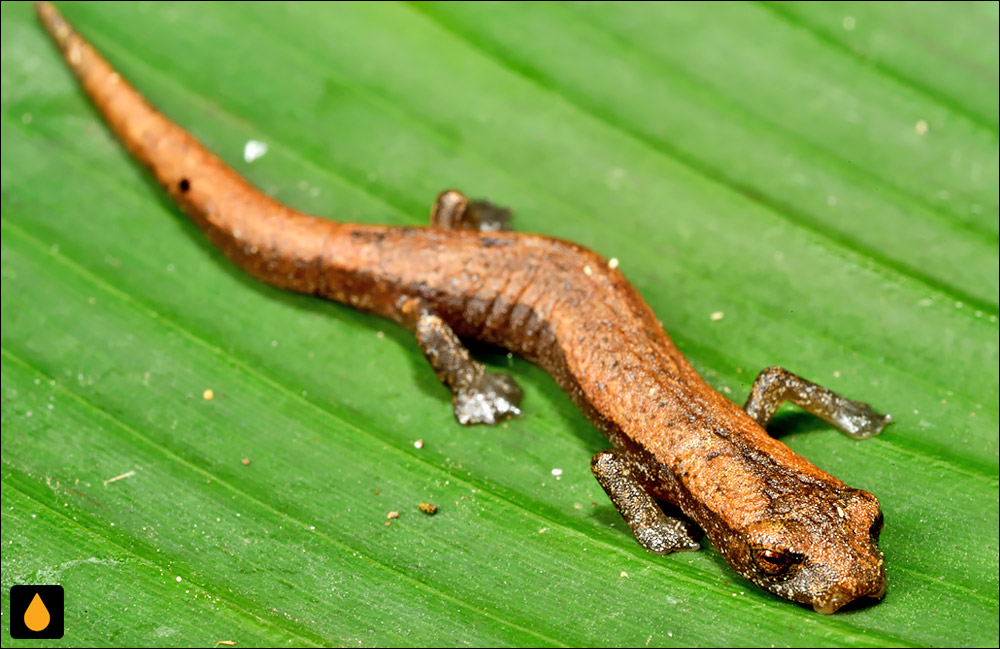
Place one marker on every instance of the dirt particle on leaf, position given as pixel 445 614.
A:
pixel 392 515
pixel 245 461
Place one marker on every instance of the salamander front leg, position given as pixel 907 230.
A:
pixel 654 530
pixel 776 385
pixel 453 209
pixel 480 397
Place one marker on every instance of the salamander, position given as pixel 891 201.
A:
pixel 777 519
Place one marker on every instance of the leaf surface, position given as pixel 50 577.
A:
pixel 822 175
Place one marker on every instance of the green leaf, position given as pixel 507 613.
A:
pixel 824 175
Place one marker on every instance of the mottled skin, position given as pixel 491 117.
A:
pixel 778 520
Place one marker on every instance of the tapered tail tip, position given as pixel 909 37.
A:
pixel 53 21
pixel 43 8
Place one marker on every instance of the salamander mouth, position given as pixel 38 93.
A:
pixel 837 602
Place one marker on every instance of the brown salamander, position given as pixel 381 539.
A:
pixel 778 520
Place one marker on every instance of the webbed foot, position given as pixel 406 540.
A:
pixel 479 397
pixel 488 400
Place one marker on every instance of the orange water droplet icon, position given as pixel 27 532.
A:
pixel 37 616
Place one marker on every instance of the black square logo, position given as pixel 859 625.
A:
pixel 36 612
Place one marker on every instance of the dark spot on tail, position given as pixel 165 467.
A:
pixel 184 185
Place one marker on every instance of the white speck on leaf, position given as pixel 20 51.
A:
pixel 253 150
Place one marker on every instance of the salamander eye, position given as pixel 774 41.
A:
pixel 775 562
pixel 876 527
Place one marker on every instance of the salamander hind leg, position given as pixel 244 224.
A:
pixel 654 530
pixel 775 385
pixel 453 209
pixel 479 397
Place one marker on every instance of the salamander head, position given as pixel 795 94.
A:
pixel 821 551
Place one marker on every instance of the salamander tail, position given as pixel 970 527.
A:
pixel 250 227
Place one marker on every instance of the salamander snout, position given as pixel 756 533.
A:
pixel 824 553
pixel 828 576
pixel 859 584
pixel 850 555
